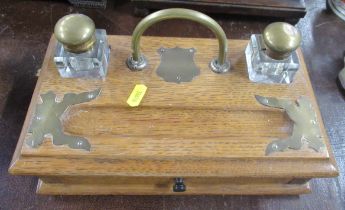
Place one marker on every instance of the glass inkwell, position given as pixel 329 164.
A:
pixel 271 56
pixel 82 51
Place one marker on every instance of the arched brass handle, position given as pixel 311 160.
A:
pixel 138 62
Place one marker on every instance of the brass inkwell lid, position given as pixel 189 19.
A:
pixel 76 32
pixel 281 39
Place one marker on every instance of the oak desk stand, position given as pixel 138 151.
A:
pixel 211 131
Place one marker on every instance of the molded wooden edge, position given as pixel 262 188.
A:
pixel 166 168
pixel 320 119
pixel 233 189
pixel 25 127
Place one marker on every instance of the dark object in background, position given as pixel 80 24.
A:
pixel 89 3
pixel 338 7
pixel 341 76
pixel 289 10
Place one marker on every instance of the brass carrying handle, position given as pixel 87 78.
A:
pixel 138 61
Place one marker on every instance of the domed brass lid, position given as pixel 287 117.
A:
pixel 281 39
pixel 76 32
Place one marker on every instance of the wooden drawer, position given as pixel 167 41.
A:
pixel 164 185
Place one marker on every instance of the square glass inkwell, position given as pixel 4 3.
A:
pixel 82 50
pixel 271 56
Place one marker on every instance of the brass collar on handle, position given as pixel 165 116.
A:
pixel 137 61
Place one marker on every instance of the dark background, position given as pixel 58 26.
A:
pixel 25 29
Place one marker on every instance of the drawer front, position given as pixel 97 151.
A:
pixel 170 185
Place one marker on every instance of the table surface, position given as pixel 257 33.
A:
pixel 25 29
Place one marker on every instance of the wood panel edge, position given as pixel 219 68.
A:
pixel 318 112
pixel 16 156
pixel 89 189
pixel 224 168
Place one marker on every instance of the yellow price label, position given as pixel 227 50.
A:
pixel 137 95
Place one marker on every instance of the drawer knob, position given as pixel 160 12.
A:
pixel 179 185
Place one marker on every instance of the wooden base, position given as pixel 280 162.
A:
pixel 211 131
pixel 125 189
pixel 290 10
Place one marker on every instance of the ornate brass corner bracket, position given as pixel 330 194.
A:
pixel 47 123
pixel 306 129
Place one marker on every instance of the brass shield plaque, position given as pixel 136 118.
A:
pixel 177 65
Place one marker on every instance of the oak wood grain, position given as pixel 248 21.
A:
pixel 210 127
pixel 163 186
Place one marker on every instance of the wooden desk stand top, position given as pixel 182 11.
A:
pixel 211 131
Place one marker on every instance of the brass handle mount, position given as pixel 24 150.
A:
pixel 137 61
